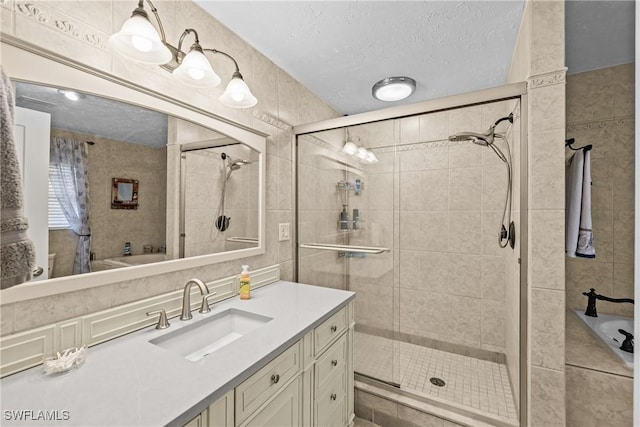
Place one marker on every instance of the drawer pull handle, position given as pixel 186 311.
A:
pixel 334 362
pixel 333 396
pixel 275 378
pixel 334 328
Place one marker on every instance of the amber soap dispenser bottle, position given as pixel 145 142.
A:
pixel 245 283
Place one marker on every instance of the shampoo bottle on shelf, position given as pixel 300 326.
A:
pixel 245 283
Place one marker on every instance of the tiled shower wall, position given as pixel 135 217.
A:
pixel 111 228
pixel 600 108
pixel 283 102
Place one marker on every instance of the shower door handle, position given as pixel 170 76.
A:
pixel 345 248
pixel 38 271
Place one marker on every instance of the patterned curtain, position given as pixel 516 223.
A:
pixel 69 161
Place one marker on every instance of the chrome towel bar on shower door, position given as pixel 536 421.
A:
pixel 345 248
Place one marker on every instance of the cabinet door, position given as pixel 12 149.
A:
pixel 283 411
pixel 196 422
pixel 220 412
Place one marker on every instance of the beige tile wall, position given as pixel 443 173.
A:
pixel 283 102
pixel 111 228
pixel 538 58
pixel 600 112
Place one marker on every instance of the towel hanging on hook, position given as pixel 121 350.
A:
pixel 569 143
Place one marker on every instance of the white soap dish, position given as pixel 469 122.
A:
pixel 70 359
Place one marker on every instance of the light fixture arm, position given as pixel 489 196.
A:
pixel 196 43
pixel 214 51
pixel 140 11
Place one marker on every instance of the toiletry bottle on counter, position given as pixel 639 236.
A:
pixel 127 248
pixel 245 283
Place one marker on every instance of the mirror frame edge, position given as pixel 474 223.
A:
pixel 23 61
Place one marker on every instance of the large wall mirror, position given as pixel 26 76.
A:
pixel 194 183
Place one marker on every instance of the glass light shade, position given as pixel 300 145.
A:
pixel 195 70
pixel 238 95
pixel 371 157
pixel 139 41
pixel 394 88
pixel 363 153
pixel 349 148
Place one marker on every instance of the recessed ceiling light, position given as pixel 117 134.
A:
pixel 393 88
pixel 71 95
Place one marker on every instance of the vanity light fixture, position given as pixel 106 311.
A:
pixel 139 41
pixel 393 88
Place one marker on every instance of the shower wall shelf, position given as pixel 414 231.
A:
pixel 348 225
pixel 355 186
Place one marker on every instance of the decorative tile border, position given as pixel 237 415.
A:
pixel 61 22
pixel 7 4
pixel 548 79
pixel 271 120
pixel 601 124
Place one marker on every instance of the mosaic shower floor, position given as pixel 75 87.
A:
pixel 478 384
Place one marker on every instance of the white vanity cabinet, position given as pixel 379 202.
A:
pixel 219 414
pixel 309 384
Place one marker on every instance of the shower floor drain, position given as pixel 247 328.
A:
pixel 437 382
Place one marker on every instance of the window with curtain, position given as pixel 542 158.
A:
pixel 57 219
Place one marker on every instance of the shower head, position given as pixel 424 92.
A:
pixel 234 164
pixel 237 164
pixel 483 139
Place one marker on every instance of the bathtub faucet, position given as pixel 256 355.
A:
pixel 591 304
pixel 627 345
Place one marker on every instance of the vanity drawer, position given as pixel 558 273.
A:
pixel 332 361
pixel 329 330
pixel 268 381
pixel 331 402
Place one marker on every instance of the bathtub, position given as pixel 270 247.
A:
pixel 127 261
pixel 605 327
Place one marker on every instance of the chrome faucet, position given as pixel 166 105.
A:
pixel 186 297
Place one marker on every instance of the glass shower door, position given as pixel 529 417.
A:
pixel 346 233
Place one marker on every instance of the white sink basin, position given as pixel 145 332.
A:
pixel 202 338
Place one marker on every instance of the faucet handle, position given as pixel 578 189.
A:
pixel 204 308
pixel 163 323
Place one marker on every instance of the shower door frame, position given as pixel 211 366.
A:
pixel 510 91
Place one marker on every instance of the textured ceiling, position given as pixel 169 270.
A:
pixel 95 115
pixel 339 49
pixel 599 34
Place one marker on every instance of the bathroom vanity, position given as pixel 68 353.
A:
pixel 292 367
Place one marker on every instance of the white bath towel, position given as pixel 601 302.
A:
pixel 579 233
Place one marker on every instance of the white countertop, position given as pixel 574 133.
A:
pixel 131 382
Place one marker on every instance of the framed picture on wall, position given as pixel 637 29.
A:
pixel 124 193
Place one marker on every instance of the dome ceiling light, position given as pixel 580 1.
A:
pixel 393 88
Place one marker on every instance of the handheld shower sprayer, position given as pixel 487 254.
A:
pixel 507 233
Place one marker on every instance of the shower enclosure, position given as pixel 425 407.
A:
pixel 399 209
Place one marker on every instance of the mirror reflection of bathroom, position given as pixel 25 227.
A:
pixel 68 134
pixel 114 140
pixel 220 197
